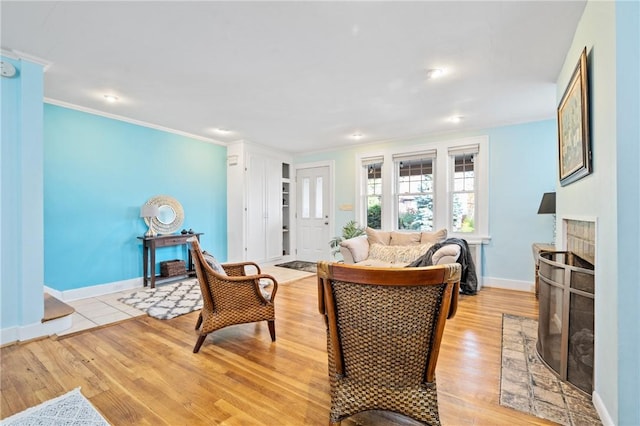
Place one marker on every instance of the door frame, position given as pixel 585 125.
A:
pixel 330 195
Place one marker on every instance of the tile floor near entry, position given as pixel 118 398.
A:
pixel 101 310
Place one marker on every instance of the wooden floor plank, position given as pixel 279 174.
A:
pixel 143 372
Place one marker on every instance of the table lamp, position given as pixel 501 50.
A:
pixel 548 206
pixel 149 211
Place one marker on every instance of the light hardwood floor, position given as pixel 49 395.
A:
pixel 142 370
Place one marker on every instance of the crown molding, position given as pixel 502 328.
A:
pixel 131 121
pixel 16 54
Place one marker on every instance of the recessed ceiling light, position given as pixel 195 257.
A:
pixel 434 73
pixel 111 98
pixel 222 131
pixel 456 119
pixel 357 136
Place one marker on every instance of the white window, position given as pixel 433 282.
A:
pixel 427 187
pixel 415 187
pixel 463 188
pixel 372 191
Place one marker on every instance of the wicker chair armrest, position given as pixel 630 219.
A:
pixel 254 280
pixel 239 268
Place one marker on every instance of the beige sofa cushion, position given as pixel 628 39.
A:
pixel 433 237
pixel 397 254
pixel 404 238
pixel 359 247
pixel 376 236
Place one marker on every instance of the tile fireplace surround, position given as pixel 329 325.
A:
pixel 581 238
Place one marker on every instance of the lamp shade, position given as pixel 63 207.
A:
pixel 548 203
pixel 149 210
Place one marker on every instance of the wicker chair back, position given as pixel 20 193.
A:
pixel 384 328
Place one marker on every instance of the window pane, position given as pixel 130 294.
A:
pixel 374 212
pixel 415 187
pixel 415 212
pixel 415 194
pixel 305 198
pixel 319 197
pixel 463 196
pixel 463 212
pixel 373 199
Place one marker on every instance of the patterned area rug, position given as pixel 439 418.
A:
pixel 69 409
pixel 167 301
pixel 300 265
pixel 526 384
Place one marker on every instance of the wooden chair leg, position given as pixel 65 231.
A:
pixel 199 343
pixel 272 329
pixel 199 323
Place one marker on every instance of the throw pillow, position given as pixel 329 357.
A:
pixel 382 252
pixel 376 236
pixel 263 283
pixel 358 246
pixel 213 262
pixel 397 254
pixel 410 253
pixel 405 238
pixel 433 237
pixel 449 250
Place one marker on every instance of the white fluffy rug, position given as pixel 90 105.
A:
pixel 69 409
pixel 167 301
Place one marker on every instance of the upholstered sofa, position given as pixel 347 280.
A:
pixel 396 249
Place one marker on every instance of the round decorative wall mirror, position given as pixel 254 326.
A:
pixel 170 214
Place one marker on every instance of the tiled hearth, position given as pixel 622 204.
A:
pixel 528 385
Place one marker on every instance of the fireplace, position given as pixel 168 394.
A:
pixel 566 317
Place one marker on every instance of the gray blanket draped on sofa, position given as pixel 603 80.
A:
pixel 469 279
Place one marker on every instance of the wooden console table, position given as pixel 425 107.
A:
pixel 149 246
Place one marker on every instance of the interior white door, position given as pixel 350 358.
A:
pixel 312 218
pixel 255 249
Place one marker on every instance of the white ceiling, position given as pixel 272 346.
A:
pixel 300 76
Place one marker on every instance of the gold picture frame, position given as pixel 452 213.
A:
pixel 574 145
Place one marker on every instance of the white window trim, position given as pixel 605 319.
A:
pixel 442 185
pixel 361 184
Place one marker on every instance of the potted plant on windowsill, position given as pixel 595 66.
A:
pixel 349 230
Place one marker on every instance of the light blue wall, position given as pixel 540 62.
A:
pixel 594 196
pixel 98 172
pixel 21 248
pixel 628 176
pixel 522 166
pixel 609 31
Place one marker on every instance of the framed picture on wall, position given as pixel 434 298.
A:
pixel 573 126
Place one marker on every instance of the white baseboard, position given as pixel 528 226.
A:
pixel 94 290
pixel 605 417
pixel 33 331
pixel 508 284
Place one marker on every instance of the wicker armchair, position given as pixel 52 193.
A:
pixel 384 328
pixel 232 299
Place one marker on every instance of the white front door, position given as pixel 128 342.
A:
pixel 312 218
